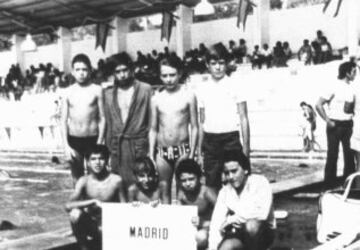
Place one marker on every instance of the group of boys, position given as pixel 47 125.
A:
pixel 148 139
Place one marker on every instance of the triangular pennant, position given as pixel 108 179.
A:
pixel 245 7
pixel 166 25
pixel 102 31
pixel 327 3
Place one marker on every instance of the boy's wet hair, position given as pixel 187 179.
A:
pixel 145 165
pixel 83 59
pixel 237 156
pixel 188 166
pixel 98 149
pixel 345 68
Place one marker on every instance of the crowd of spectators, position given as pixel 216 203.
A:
pixel 48 78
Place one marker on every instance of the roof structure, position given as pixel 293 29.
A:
pixel 38 16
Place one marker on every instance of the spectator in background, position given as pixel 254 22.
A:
pixel 256 58
pixel 325 50
pixel 339 125
pixel 287 51
pixel 266 55
pixel 242 51
pixel 305 53
pixel 279 55
pixel 317 47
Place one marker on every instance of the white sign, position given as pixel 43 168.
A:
pixel 137 228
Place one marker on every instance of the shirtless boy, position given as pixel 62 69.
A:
pixel 173 109
pixel 192 192
pixel 148 189
pixel 83 121
pixel 99 186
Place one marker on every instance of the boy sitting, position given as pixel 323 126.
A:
pixel 90 190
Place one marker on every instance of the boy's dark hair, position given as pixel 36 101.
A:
pixel 217 52
pixel 145 165
pixel 81 58
pixel 122 58
pixel 303 104
pixel 237 156
pixel 188 166
pixel 345 68
pixel 98 149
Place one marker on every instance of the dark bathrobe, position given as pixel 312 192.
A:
pixel 127 140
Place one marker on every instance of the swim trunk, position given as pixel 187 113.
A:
pixel 82 144
pixel 172 153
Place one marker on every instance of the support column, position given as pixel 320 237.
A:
pixel 18 55
pixel 119 33
pixel 183 30
pixel 261 32
pixel 353 25
pixel 64 49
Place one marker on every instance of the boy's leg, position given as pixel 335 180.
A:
pixel 258 235
pixel 82 227
pixel 166 170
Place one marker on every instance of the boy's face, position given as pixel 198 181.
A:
pixel 97 163
pixel 217 68
pixel 122 74
pixel 80 72
pixel 188 182
pixel 145 180
pixel 169 76
pixel 234 174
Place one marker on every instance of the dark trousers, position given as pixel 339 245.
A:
pixel 340 133
pixel 213 148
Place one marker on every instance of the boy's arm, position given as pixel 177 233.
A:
pixel 153 127
pixel 132 193
pixel 102 122
pixel 201 134
pixel 164 192
pixel 75 198
pixel 320 109
pixel 211 196
pixel 69 152
pixel 121 191
pixel 194 125
pixel 245 128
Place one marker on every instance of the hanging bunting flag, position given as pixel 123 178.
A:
pixel 245 7
pixel 327 3
pixel 102 31
pixel 166 25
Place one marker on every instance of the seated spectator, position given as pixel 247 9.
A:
pixel 267 55
pixel 305 53
pixel 193 193
pixel 148 188
pixel 84 207
pixel 243 214
pixel 256 58
pixel 241 52
pixel 325 50
pixel 279 55
pixel 317 47
pixel 287 51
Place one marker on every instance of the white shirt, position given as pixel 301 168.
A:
pixel 220 100
pixel 339 94
pixel 254 202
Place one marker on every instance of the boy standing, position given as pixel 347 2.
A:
pixel 83 121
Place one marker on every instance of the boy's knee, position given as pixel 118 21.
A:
pixel 253 227
pixel 231 244
pixel 202 238
pixel 75 215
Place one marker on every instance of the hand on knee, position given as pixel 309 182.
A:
pixel 75 215
pixel 253 227
pixel 202 238
pixel 231 244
